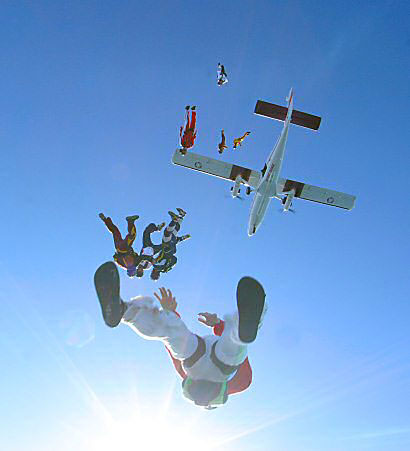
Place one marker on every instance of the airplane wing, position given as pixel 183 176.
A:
pixel 316 194
pixel 217 168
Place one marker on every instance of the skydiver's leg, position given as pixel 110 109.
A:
pixel 119 243
pixel 132 232
pixel 229 349
pixel 153 323
pixel 193 120
pixel 187 119
pixel 146 236
pixel 241 327
pixel 171 230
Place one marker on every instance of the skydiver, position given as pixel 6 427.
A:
pixel 240 139
pixel 222 76
pixel 189 135
pixel 222 145
pixel 125 256
pixel 162 255
pixel 212 368
pixel 166 259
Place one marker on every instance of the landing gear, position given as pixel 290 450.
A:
pixel 248 190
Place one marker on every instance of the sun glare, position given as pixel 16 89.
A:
pixel 146 433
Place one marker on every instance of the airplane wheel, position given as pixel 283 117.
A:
pixel 248 190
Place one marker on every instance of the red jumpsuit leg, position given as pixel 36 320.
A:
pixel 193 121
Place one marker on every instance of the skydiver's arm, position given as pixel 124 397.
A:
pixel 212 320
pixel 166 300
pixel 171 262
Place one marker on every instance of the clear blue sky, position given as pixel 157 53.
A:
pixel 92 94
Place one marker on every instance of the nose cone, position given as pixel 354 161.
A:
pixel 252 229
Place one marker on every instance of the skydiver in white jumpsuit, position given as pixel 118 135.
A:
pixel 212 367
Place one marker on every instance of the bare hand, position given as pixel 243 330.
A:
pixel 167 301
pixel 209 319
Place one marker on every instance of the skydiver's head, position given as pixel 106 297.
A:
pixel 131 271
pixel 140 271
pixel 203 392
pixel 155 274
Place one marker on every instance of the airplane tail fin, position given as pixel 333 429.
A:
pixel 289 99
pixel 281 113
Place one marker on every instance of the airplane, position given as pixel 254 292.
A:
pixel 267 183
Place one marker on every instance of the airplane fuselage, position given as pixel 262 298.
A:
pixel 267 187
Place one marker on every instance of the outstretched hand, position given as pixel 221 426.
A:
pixel 166 300
pixel 209 319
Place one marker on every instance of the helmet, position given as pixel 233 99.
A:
pixel 205 393
pixel 131 271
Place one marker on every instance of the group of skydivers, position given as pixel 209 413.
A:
pixel 212 367
pixel 188 133
pixel 161 257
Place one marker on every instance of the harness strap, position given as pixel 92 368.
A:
pixel 223 367
pixel 199 352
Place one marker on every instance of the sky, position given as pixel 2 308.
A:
pixel 92 96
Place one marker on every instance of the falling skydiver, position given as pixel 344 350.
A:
pixel 188 135
pixel 163 255
pixel 212 368
pixel 238 141
pixel 222 76
pixel 125 256
pixel 222 145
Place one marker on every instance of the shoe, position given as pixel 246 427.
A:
pixel 174 216
pixel 250 297
pixel 185 237
pixel 132 218
pixel 102 217
pixel 181 212
pixel 107 285
pixel 160 226
pixel 193 108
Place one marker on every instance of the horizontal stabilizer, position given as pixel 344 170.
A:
pixel 316 194
pixel 217 168
pixel 279 112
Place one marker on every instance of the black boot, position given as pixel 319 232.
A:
pixel 107 285
pixel 250 297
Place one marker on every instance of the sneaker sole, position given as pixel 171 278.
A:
pixel 107 286
pixel 250 297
